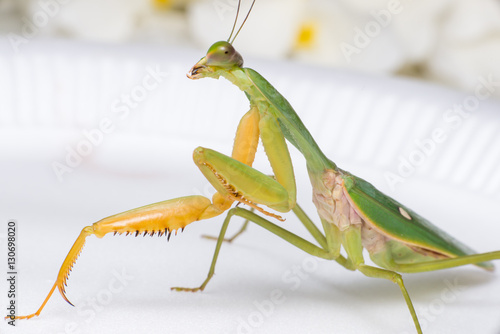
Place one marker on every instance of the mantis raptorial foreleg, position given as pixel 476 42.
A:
pixel 163 217
pixel 240 182
pixel 233 177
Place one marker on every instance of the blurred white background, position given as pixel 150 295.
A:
pixel 97 117
pixel 446 41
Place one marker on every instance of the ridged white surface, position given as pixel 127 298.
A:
pixel 51 88
pixel 53 91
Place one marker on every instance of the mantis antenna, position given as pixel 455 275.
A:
pixel 238 10
pixel 235 20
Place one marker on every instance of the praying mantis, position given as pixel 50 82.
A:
pixel 354 215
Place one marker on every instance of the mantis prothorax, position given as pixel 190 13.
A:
pixel 354 215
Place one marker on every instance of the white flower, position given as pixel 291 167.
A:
pixel 96 20
pixel 350 37
pixel 469 46
pixel 270 30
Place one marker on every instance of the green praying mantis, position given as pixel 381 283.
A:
pixel 354 215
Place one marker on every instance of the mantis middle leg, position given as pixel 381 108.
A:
pixel 329 249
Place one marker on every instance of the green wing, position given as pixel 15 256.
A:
pixel 381 211
pixel 390 217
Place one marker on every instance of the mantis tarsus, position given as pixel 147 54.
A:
pixel 354 215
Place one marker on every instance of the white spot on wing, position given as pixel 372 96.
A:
pixel 404 213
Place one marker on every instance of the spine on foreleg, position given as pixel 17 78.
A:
pixel 161 218
pixel 70 260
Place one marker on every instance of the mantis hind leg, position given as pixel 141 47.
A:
pixel 449 263
pixel 330 252
pixel 351 240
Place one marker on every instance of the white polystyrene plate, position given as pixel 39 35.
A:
pixel 51 92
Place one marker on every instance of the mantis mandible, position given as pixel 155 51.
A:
pixel 354 215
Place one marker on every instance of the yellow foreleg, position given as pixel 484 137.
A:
pixel 163 217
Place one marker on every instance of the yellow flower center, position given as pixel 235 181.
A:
pixel 162 4
pixel 306 36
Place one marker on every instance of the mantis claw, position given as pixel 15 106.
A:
pixel 186 289
pixel 63 294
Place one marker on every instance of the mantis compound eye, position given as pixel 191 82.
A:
pixel 223 54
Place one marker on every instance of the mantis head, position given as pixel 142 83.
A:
pixel 221 56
